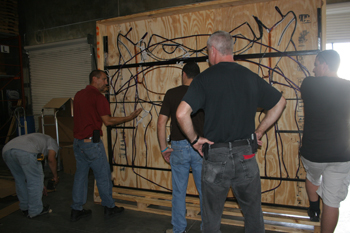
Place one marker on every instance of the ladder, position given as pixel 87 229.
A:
pixel 19 124
pixel 56 131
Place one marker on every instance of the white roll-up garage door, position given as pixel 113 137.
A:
pixel 338 22
pixel 58 70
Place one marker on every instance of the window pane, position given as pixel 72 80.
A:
pixel 344 50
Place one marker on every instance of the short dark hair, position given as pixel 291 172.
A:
pixel 95 73
pixel 191 69
pixel 331 58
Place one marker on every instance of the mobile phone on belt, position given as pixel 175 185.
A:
pixel 254 141
pixel 96 136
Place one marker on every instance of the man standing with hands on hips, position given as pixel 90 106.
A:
pixel 229 94
pixel 91 109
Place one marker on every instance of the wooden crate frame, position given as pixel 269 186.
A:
pixel 111 27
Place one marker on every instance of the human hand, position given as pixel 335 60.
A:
pixel 56 180
pixel 258 137
pixel 51 184
pixel 135 113
pixel 199 144
pixel 166 154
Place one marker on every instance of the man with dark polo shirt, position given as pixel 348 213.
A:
pixel 181 155
pixel 91 109
pixel 229 94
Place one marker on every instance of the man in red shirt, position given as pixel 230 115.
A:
pixel 91 109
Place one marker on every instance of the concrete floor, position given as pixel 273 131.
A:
pixel 59 220
pixel 128 222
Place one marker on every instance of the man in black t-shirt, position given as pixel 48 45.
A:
pixel 181 156
pixel 325 147
pixel 229 94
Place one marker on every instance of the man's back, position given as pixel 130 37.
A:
pixel 171 101
pixel 326 134
pixel 230 95
pixel 33 143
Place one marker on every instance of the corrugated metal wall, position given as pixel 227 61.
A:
pixel 58 70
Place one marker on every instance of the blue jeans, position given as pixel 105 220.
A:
pixel 225 168
pixel 91 155
pixel 29 179
pixel 182 159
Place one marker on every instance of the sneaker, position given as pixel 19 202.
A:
pixel 46 210
pixel 25 213
pixel 78 214
pixel 110 212
pixel 171 231
pixel 314 215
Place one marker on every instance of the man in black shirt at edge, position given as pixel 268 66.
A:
pixel 325 149
pixel 229 94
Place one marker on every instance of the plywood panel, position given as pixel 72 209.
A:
pixel 182 32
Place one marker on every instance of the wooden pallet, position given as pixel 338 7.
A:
pixel 8 188
pixel 276 218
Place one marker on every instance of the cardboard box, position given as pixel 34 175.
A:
pixel 64 109
pixel 65 128
pixel 68 159
pixel 64 105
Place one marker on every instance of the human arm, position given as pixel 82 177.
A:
pixel 183 116
pixel 270 118
pixel 108 120
pixel 53 164
pixel 161 124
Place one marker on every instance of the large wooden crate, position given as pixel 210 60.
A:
pixel 181 32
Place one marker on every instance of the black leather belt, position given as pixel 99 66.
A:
pixel 230 144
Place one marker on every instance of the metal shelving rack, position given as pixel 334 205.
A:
pixel 11 76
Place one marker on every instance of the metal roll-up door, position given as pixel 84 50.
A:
pixel 338 22
pixel 58 70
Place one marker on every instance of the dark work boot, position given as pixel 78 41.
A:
pixel 78 214
pixel 110 212
pixel 25 213
pixel 314 215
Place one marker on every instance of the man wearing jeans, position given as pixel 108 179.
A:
pixel 229 94
pixel 181 155
pixel 91 109
pixel 23 156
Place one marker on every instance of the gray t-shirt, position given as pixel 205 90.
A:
pixel 33 143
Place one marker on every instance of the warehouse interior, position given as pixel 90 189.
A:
pixel 49 49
